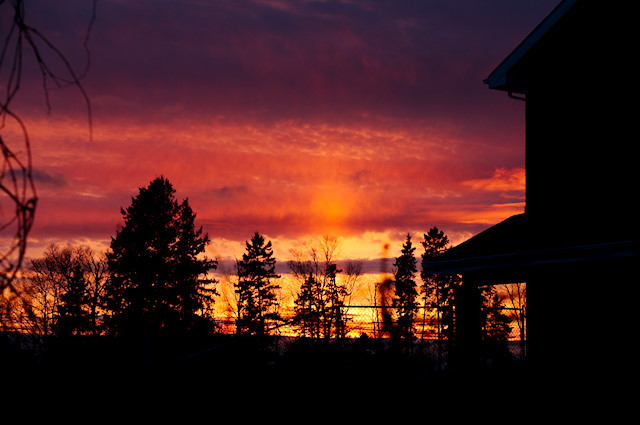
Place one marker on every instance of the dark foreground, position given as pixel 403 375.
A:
pixel 223 365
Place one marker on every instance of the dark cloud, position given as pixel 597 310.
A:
pixel 301 59
pixel 226 192
pixel 48 178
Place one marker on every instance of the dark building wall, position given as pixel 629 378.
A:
pixel 580 321
pixel 580 154
pixel 582 180
pixel 582 172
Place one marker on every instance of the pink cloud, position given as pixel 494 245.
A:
pixel 502 180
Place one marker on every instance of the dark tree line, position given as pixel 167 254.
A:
pixel 154 281
pixel 439 297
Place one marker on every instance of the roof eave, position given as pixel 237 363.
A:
pixel 624 250
pixel 499 79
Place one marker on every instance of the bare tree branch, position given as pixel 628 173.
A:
pixel 17 187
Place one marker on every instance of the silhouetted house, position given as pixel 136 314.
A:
pixel 575 244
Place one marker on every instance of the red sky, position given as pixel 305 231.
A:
pixel 365 119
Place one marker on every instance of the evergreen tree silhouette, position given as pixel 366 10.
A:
pixel 158 278
pixel 256 288
pixel 438 289
pixel 405 290
pixel 308 309
pixel 497 326
pixel 335 320
pixel 73 316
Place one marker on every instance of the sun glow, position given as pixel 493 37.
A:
pixel 332 210
pixel 330 207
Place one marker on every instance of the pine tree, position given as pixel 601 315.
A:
pixel 497 325
pixel 438 289
pixel 257 288
pixel 158 280
pixel 335 320
pixel 73 315
pixel 308 309
pixel 405 290
pixel 434 287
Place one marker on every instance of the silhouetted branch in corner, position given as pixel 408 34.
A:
pixel 17 187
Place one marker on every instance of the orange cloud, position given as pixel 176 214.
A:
pixel 502 180
pixel 289 180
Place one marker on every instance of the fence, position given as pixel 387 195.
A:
pixel 428 328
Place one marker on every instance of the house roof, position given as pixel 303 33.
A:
pixel 500 78
pixel 522 241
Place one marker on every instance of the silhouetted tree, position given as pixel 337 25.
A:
pixel 73 315
pixel 335 321
pixel 158 274
pixel 308 308
pixel 438 289
pixel 497 325
pixel 97 272
pixel 41 292
pixel 405 291
pixel 435 243
pixel 61 291
pixel 517 295
pixel 320 301
pixel 256 288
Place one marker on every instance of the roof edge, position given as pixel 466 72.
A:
pixel 626 249
pixel 497 79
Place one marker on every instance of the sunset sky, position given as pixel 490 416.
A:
pixel 364 119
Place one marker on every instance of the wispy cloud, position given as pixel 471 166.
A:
pixel 502 180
